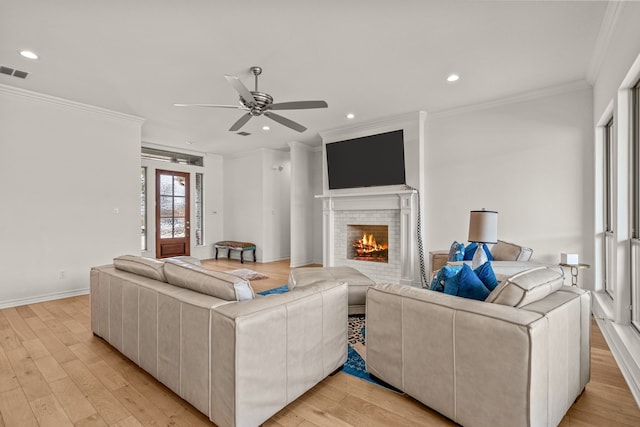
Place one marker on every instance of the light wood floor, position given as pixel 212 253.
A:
pixel 54 372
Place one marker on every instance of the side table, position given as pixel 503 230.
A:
pixel 574 271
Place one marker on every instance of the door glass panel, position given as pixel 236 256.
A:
pixel 179 227
pixel 166 184
pixel 166 228
pixel 179 207
pixel 178 186
pixel 166 206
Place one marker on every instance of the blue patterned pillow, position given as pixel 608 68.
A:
pixel 467 285
pixel 470 250
pixel 456 252
pixel 486 275
pixel 441 277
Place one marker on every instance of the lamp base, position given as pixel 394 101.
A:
pixel 480 257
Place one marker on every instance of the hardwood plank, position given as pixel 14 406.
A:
pixel 35 348
pixel 94 420
pixel 15 409
pixel 74 403
pixel 22 330
pixel 49 413
pixel 31 380
pixel 105 373
pixel 50 369
pixel 141 408
pixel 8 378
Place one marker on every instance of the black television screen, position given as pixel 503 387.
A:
pixel 370 161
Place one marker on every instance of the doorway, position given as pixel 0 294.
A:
pixel 172 214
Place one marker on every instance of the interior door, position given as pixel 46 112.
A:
pixel 172 214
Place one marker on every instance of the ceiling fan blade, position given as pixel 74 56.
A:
pixel 298 105
pixel 241 121
pixel 284 121
pixel 241 88
pixel 238 107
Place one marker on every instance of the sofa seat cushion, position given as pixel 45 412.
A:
pixel 147 267
pixel 527 287
pixel 215 283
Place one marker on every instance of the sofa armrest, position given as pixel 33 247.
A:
pixel 437 260
pixel 283 343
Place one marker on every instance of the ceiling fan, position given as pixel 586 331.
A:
pixel 259 103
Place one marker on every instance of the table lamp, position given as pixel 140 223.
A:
pixel 483 228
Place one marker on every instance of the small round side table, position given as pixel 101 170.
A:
pixel 574 271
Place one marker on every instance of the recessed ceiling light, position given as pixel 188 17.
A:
pixel 265 127
pixel 350 116
pixel 189 142
pixel 28 54
pixel 453 78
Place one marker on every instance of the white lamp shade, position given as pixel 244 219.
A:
pixel 483 226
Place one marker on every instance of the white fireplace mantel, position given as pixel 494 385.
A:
pixel 404 201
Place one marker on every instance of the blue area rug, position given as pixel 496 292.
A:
pixel 355 364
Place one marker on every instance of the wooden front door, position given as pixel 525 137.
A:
pixel 172 214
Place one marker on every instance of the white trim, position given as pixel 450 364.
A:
pixel 42 298
pixel 23 93
pixel 399 121
pixel 623 341
pixel 607 27
pixel 521 97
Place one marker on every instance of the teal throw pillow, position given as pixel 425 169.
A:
pixel 456 252
pixel 441 277
pixel 466 284
pixel 470 250
pixel 486 275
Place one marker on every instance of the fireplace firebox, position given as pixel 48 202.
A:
pixel 368 243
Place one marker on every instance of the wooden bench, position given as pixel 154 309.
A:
pixel 231 245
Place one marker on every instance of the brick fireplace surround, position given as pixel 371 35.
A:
pixel 395 209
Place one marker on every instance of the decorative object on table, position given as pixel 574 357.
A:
pixel 574 270
pixel 247 274
pixel 569 258
pixel 483 228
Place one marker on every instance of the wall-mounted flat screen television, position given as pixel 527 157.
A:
pixel 369 161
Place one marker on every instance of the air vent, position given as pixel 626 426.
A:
pixel 13 72
pixel 243 133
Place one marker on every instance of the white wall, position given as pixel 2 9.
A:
pixel 276 205
pixel 530 158
pixel 256 202
pixel 213 202
pixel 306 210
pixel 66 170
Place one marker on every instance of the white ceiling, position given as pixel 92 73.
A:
pixel 371 57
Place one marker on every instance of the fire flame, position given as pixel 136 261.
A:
pixel 367 244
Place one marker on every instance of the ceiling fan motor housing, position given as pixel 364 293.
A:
pixel 263 102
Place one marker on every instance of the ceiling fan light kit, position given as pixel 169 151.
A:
pixel 258 103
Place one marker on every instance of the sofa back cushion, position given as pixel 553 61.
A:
pixel 505 251
pixel 215 283
pixel 526 287
pixel 147 267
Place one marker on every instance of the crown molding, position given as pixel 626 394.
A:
pixel 607 28
pixel 36 96
pixel 522 97
pixel 304 146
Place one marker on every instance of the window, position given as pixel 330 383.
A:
pixel 172 157
pixel 635 206
pixel 143 208
pixel 609 243
pixel 199 210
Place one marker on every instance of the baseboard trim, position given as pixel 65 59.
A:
pixel 42 298
pixel 621 339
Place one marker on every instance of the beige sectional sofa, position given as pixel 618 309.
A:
pixel 237 358
pixel 520 360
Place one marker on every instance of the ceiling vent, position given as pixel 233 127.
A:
pixel 243 133
pixel 13 72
